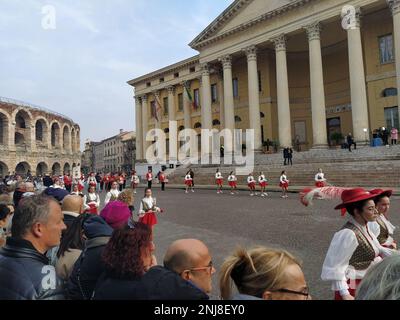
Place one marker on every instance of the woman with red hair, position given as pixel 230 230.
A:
pixel 127 257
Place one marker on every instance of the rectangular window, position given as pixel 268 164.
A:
pixel 386 49
pixel 259 81
pixel 214 93
pixel 165 102
pixel 180 102
pixel 235 88
pixel 196 98
pixel 392 117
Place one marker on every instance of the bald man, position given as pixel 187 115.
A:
pixel 186 274
pixel 72 207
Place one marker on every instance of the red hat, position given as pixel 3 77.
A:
pixel 381 192
pixel 355 195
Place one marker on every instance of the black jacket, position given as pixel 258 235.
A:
pixel 47 181
pixel 89 266
pixel 17 196
pixel 25 273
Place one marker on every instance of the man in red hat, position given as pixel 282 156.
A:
pixel 381 227
pixel 354 249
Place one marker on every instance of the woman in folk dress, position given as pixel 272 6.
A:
pixel 188 182
pixel 91 201
pixel 232 180
pixel 148 209
pixel 284 184
pixel 263 184
pixel 219 180
pixel 251 183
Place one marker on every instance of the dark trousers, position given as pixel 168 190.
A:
pixel 290 161
pixel 101 186
pixel 394 141
pixel 121 186
pixel 285 162
pixel 162 186
pixel 149 184
pixel 351 144
pixel 68 188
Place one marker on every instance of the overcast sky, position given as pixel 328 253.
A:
pixel 81 67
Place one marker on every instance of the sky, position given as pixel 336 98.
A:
pixel 75 57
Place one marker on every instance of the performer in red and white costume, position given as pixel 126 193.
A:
pixel 320 180
pixel 76 191
pixel 91 201
pixel 219 180
pixel 232 181
pixel 113 194
pixel 263 182
pixel 148 209
pixel 354 249
pixel 382 227
pixel 92 182
pixel 251 183
pixel 284 184
pixel 134 181
pixel 149 178
pixel 188 182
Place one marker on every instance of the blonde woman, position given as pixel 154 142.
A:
pixel 263 274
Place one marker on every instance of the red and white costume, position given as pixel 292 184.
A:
pixel 232 181
pixel 262 181
pixel 219 180
pixel 135 181
pixel 352 252
pixel 251 182
pixel 283 181
pixel 91 202
pixel 112 195
pixel 148 210
pixel 92 182
pixel 320 180
pixel 149 176
pixel 383 229
pixel 188 180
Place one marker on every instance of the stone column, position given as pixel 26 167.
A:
pixel 139 129
pixel 254 96
pixel 206 120
pixel 173 142
pixel 357 82
pixel 145 123
pixel 320 135
pixel 221 99
pixel 284 121
pixel 186 105
pixel 229 107
pixel 33 138
pixel 395 8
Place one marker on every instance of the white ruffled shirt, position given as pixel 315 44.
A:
pixel 375 228
pixel 262 179
pixel 336 266
pixel 250 179
pixel 91 198
pixel 150 201
pixel 112 192
pixel 320 177
pixel 218 175
pixel 188 177
pixel 283 178
pixel 232 178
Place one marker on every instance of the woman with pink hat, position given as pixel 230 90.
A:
pixel 354 249
pixel 381 227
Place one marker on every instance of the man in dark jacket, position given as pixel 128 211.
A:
pixel 89 267
pixel 47 181
pixel 25 273
pixel 285 156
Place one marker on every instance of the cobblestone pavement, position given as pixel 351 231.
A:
pixel 225 221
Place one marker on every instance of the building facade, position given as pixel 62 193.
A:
pixel 289 69
pixel 36 140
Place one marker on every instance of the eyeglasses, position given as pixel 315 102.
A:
pixel 304 293
pixel 209 268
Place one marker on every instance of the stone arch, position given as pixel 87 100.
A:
pixel 42 168
pixel 56 169
pixel 66 138
pixel 55 134
pixel 23 123
pixel 67 168
pixel 4 128
pixel 78 140
pixel 22 168
pixel 41 131
pixel 3 169
pixel 73 140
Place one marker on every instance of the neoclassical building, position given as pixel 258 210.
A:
pixel 289 69
pixel 36 140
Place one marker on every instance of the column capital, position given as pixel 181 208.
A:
pixel 251 52
pixel 171 90
pixel 205 69
pixel 280 42
pixel 144 98
pixel 226 61
pixel 351 17
pixel 313 31
pixel 156 93
pixel 394 6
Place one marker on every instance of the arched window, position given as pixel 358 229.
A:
pixel 238 119
pixel 166 130
pixel 216 122
pixel 389 92
pixel 197 125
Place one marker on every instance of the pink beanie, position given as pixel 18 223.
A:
pixel 116 214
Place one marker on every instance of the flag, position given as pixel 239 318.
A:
pixel 155 108
pixel 192 102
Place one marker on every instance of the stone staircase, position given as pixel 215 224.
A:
pixel 364 167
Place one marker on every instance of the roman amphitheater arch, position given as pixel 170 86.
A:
pixel 4 128
pixel 67 138
pixel 42 168
pixel 73 140
pixel 23 123
pixel 67 168
pixel 56 169
pixel 22 168
pixel 42 132
pixel 3 169
pixel 55 135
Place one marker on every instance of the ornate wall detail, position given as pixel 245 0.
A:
pixel 251 52
pixel 171 90
pixel 280 42
pixel 394 6
pixel 313 31
pixel 144 98
pixel 205 69
pixel 226 61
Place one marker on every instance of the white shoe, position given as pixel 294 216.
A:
pixel 266 194
pixel 256 194
pixel 232 193
pixel 220 192
pixel 192 190
pixel 186 192
pixel 283 197
pixel 262 195
pixel 251 195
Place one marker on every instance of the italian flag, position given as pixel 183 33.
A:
pixel 192 102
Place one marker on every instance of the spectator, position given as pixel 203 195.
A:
pixel 72 244
pixel 191 260
pixel 89 266
pixel 116 214
pixel 29 190
pixel 18 193
pixel 350 142
pixel 290 156
pixel 47 180
pixel 382 281
pixel 5 215
pixel 285 156
pixel 128 198
pixel 263 274
pixel 394 134
pixel 127 257
pixel 72 207
pixel 24 270
pixel 57 193
pixel 7 200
